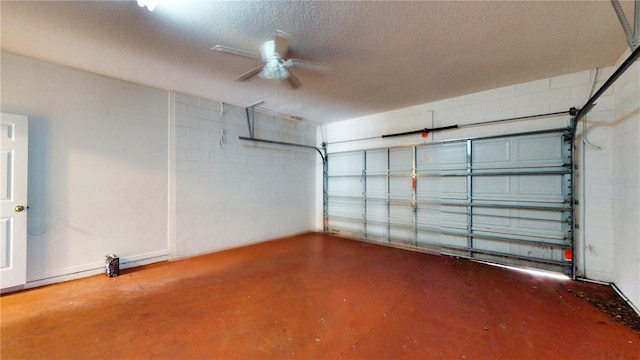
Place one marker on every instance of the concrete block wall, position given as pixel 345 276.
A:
pixel 594 239
pixel 230 192
pixel 536 97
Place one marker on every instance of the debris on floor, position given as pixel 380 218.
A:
pixel 616 307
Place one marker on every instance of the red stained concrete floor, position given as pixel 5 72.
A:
pixel 313 296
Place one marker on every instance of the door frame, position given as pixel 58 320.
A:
pixel 15 274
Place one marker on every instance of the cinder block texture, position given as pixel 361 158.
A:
pixel 231 192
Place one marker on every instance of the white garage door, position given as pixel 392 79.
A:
pixel 502 199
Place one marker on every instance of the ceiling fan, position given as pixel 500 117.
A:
pixel 275 63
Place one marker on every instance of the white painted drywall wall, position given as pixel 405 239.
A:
pixel 238 192
pixel 97 167
pixel 625 182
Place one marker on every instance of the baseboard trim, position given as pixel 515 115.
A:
pixel 77 272
pixel 236 246
pixel 626 299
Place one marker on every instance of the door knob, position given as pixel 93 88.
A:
pixel 19 208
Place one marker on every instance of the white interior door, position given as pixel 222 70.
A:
pixel 13 200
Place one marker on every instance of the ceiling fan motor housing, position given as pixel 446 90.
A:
pixel 275 61
pixel 274 69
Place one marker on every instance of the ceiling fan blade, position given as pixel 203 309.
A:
pixel 251 73
pixel 293 81
pixel 267 50
pixel 314 66
pixel 282 41
pixel 238 52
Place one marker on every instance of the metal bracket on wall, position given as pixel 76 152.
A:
pixel 251 113
pixel 632 35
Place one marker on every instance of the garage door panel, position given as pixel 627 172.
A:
pixel 519 187
pixel 551 215
pixel 350 186
pixel 538 150
pixel 346 215
pixel 428 186
pixel 510 260
pixel 520 253
pixel 450 240
pixel 346 207
pixel 514 221
pixel 346 163
pixel 400 187
pixel 489 240
pixel 442 216
pixel 377 187
pixel 441 157
pixel 492 218
pixel 401 160
pixel 491 245
pixel 518 152
pixel 347 227
pixel 508 202
pixel 437 187
pixel 401 224
pixel 346 202
pixel 540 226
pixel 539 187
pixel 401 212
pixel 431 239
pixel 377 219
pixel 540 252
pixel 489 186
pixel 491 152
pixel 376 161
pixel 377 211
pixel 377 232
pixel 402 235
pixel 517 254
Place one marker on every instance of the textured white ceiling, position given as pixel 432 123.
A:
pixel 384 55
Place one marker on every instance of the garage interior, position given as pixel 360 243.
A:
pixel 373 183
